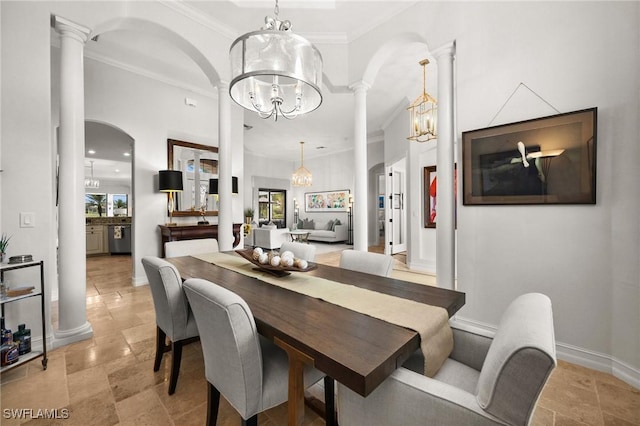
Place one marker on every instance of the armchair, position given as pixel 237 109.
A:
pixel 269 237
pixel 486 381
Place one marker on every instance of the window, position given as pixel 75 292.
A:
pixel 95 205
pixel 106 205
pixel 272 206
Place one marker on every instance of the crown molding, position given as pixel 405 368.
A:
pixel 375 23
pixel 213 94
pixel 199 17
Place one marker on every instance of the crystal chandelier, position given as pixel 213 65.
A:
pixel 275 72
pixel 423 112
pixel 91 182
pixel 302 176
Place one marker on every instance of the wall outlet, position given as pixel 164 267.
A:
pixel 27 220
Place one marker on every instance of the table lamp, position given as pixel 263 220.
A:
pixel 213 186
pixel 170 181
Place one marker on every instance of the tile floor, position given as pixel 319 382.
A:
pixel 109 379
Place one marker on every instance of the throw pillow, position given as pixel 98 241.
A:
pixel 308 224
pixel 299 224
pixel 329 226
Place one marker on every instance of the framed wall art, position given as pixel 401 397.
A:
pixel 326 201
pixel 549 160
pixel 430 194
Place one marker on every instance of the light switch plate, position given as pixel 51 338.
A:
pixel 27 220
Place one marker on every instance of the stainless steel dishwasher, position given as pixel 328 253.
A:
pixel 119 239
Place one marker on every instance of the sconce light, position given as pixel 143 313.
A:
pixel 170 181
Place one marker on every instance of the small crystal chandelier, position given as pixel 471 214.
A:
pixel 91 182
pixel 302 176
pixel 275 72
pixel 423 112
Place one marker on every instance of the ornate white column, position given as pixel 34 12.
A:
pixel 225 212
pixel 360 227
pixel 445 161
pixel 72 279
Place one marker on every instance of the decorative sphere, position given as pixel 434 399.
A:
pixel 286 261
pixel 302 264
pixel 287 253
pixel 263 259
pixel 275 261
pixel 256 253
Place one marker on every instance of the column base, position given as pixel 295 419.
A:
pixel 66 337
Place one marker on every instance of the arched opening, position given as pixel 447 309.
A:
pixel 399 56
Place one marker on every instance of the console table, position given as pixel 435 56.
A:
pixel 193 232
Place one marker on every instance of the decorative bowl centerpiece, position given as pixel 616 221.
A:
pixel 276 263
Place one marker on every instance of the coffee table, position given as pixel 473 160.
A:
pixel 299 236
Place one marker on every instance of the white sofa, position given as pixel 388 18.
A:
pixel 321 233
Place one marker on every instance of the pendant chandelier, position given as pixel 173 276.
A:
pixel 423 112
pixel 91 182
pixel 302 176
pixel 275 72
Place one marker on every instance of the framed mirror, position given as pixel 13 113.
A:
pixel 198 163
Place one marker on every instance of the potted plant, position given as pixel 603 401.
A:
pixel 248 215
pixel 4 242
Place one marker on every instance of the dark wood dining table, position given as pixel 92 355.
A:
pixel 356 350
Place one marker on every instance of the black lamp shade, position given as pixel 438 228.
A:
pixel 169 180
pixel 213 186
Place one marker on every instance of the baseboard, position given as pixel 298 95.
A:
pixel 566 352
pixel 139 281
pixel 422 266
pixel 600 362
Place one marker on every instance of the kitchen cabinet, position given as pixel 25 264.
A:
pixel 96 237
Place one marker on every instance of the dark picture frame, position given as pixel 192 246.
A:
pixel 181 156
pixel 429 197
pixel 429 194
pixel 548 160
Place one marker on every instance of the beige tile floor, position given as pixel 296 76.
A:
pixel 109 379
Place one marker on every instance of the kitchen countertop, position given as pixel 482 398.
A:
pixel 120 220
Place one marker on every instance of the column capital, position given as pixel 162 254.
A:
pixel 448 49
pixel 359 86
pixel 223 85
pixel 68 28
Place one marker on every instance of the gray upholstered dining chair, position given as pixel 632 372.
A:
pixel 485 381
pixel 300 250
pixel 250 371
pixel 363 261
pixel 174 319
pixel 189 247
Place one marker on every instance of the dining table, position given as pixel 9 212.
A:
pixel 354 349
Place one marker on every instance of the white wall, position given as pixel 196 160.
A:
pixel 147 110
pixel 27 183
pixel 574 55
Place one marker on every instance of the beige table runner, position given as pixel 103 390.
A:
pixel 431 322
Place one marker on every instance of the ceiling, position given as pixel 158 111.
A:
pixel 327 130
pixel 107 147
